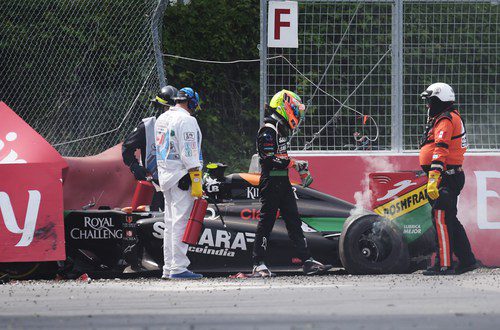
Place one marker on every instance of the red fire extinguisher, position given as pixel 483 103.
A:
pixel 143 194
pixel 195 222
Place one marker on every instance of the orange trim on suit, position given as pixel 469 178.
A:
pixel 446 141
pixel 443 239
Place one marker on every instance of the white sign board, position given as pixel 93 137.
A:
pixel 283 24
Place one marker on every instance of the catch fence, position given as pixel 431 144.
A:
pixel 81 72
pixel 361 65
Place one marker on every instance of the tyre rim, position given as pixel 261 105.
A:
pixel 374 248
pixel 369 250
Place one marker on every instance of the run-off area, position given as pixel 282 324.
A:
pixel 469 301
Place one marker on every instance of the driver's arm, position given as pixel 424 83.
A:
pixel 135 140
pixel 268 150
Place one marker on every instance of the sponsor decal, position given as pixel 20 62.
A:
pixel 215 252
pixel 97 228
pixel 441 133
pixel 189 136
pixel 214 241
pixel 211 214
pixel 307 229
pixel 485 193
pixel 412 229
pixel 282 139
pixel 383 179
pixel 9 218
pixel 282 149
pixel 404 204
pixel 188 151
pixel 252 192
pixel 12 156
pixel 399 187
pixel 250 214
pixel 212 185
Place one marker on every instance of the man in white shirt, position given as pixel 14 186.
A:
pixel 179 159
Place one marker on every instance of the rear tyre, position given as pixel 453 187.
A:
pixel 370 244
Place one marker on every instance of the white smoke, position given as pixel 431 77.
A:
pixel 363 197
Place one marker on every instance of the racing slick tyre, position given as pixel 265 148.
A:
pixel 370 244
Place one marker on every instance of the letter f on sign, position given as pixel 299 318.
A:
pixel 30 220
pixel 278 23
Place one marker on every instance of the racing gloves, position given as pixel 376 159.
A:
pixel 139 171
pixel 302 166
pixel 196 189
pixel 432 184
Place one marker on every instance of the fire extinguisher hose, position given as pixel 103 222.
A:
pixel 211 201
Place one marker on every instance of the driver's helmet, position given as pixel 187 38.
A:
pixel 289 106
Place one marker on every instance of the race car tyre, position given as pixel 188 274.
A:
pixel 370 244
pixel 28 270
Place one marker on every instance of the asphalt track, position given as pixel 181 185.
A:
pixel 468 301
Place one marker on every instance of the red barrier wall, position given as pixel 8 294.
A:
pixel 344 175
pixel 31 212
pixel 102 178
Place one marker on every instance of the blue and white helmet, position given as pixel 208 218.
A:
pixel 188 94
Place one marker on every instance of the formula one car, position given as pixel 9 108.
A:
pixel 110 243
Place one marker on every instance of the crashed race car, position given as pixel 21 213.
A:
pixel 111 243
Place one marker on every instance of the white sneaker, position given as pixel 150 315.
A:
pixel 261 270
pixel 165 277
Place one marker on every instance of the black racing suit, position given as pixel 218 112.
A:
pixel 137 140
pixel 276 191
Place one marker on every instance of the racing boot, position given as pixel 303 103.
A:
pixel 313 267
pixel 437 270
pixel 261 270
pixel 466 267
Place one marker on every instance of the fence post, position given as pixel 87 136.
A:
pixel 397 77
pixel 263 59
pixel 156 27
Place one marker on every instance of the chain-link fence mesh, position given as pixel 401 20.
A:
pixel 338 49
pixel 78 69
pixel 456 43
pixel 345 47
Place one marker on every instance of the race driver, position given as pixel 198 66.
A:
pixel 142 138
pixel 441 156
pixel 275 190
pixel 178 154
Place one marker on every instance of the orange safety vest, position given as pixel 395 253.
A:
pixel 444 142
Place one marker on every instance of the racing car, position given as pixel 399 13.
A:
pixel 111 242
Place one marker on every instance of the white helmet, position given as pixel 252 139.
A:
pixel 442 91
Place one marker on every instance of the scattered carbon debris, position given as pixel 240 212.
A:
pixel 215 302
